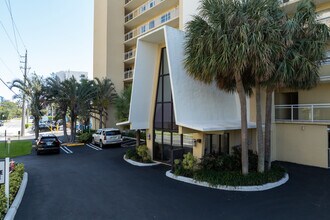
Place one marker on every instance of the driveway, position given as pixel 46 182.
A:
pixel 99 184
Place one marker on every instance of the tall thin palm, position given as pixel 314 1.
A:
pixel 105 95
pixel 305 41
pixel 35 93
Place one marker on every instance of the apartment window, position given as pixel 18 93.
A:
pixel 151 24
pixel 165 17
pixel 143 29
pixel 143 8
pixel 151 4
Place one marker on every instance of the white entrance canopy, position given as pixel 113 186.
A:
pixel 197 106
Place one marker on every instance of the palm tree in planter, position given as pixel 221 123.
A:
pixel 34 90
pixel 305 41
pixel 105 95
pixel 229 42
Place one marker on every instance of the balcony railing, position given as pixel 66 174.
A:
pixel 127 1
pixel 129 54
pixel 303 113
pixel 143 8
pixel 128 74
pixel 284 1
pixel 166 17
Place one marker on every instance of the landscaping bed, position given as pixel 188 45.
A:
pixel 139 156
pixel 225 170
pixel 15 182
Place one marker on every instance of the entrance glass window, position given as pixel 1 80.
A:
pixel 166 136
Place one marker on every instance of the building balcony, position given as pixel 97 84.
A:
pixel 128 75
pixel 168 18
pixel 290 6
pixel 313 113
pixel 129 56
pixel 131 5
pixel 148 10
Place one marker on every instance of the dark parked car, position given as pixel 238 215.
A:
pixel 48 143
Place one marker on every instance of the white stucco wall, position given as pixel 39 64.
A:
pixel 189 8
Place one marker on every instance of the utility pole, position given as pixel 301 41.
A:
pixel 23 107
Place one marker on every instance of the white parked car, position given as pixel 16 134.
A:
pixel 107 136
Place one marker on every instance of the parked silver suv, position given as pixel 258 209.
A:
pixel 107 136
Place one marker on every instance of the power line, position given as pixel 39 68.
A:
pixel 7 86
pixel 8 4
pixel 16 49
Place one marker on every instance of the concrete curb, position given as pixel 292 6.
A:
pixel 73 144
pixel 140 164
pixel 230 188
pixel 17 201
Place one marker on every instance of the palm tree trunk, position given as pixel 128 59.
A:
pixel 268 124
pixel 261 148
pixel 244 130
pixel 138 135
pixel 36 127
pixel 64 128
pixel 72 126
pixel 101 119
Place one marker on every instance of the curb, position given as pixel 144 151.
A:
pixel 264 187
pixel 140 164
pixel 17 201
pixel 73 144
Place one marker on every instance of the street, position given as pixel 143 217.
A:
pixel 90 183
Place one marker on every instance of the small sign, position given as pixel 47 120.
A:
pixel 2 172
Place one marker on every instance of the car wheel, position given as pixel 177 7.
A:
pixel 101 144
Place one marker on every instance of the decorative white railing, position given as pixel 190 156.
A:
pixel 128 74
pixel 166 17
pixel 142 9
pixel 303 112
pixel 129 54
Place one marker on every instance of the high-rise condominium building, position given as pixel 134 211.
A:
pixel 140 42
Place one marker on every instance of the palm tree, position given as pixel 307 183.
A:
pixel 35 93
pixel 226 43
pixel 305 42
pixel 105 95
pixel 56 93
pixel 123 104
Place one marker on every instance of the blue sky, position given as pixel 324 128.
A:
pixel 58 35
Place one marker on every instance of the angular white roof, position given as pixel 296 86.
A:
pixel 197 105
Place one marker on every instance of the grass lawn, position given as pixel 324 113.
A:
pixel 17 148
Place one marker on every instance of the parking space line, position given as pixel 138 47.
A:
pixel 66 150
pixel 93 147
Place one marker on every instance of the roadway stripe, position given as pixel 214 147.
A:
pixel 66 148
pixel 93 147
pixel 63 149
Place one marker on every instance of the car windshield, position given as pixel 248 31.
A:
pixel 108 133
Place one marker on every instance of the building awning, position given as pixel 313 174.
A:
pixel 196 105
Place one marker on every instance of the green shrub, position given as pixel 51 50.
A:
pixel 143 152
pixel 189 162
pixel 27 126
pixel 15 181
pixel 140 154
pixel 85 137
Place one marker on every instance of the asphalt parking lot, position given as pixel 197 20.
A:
pixel 98 184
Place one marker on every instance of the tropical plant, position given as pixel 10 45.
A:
pixel 35 92
pixel 123 104
pixel 105 95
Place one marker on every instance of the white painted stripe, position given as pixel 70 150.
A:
pixel 96 147
pixel 62 148
pixel 93 147
pixel 66 148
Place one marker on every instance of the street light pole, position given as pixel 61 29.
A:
pixel 23 107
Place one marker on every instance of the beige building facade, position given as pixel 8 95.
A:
pixel 139 42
